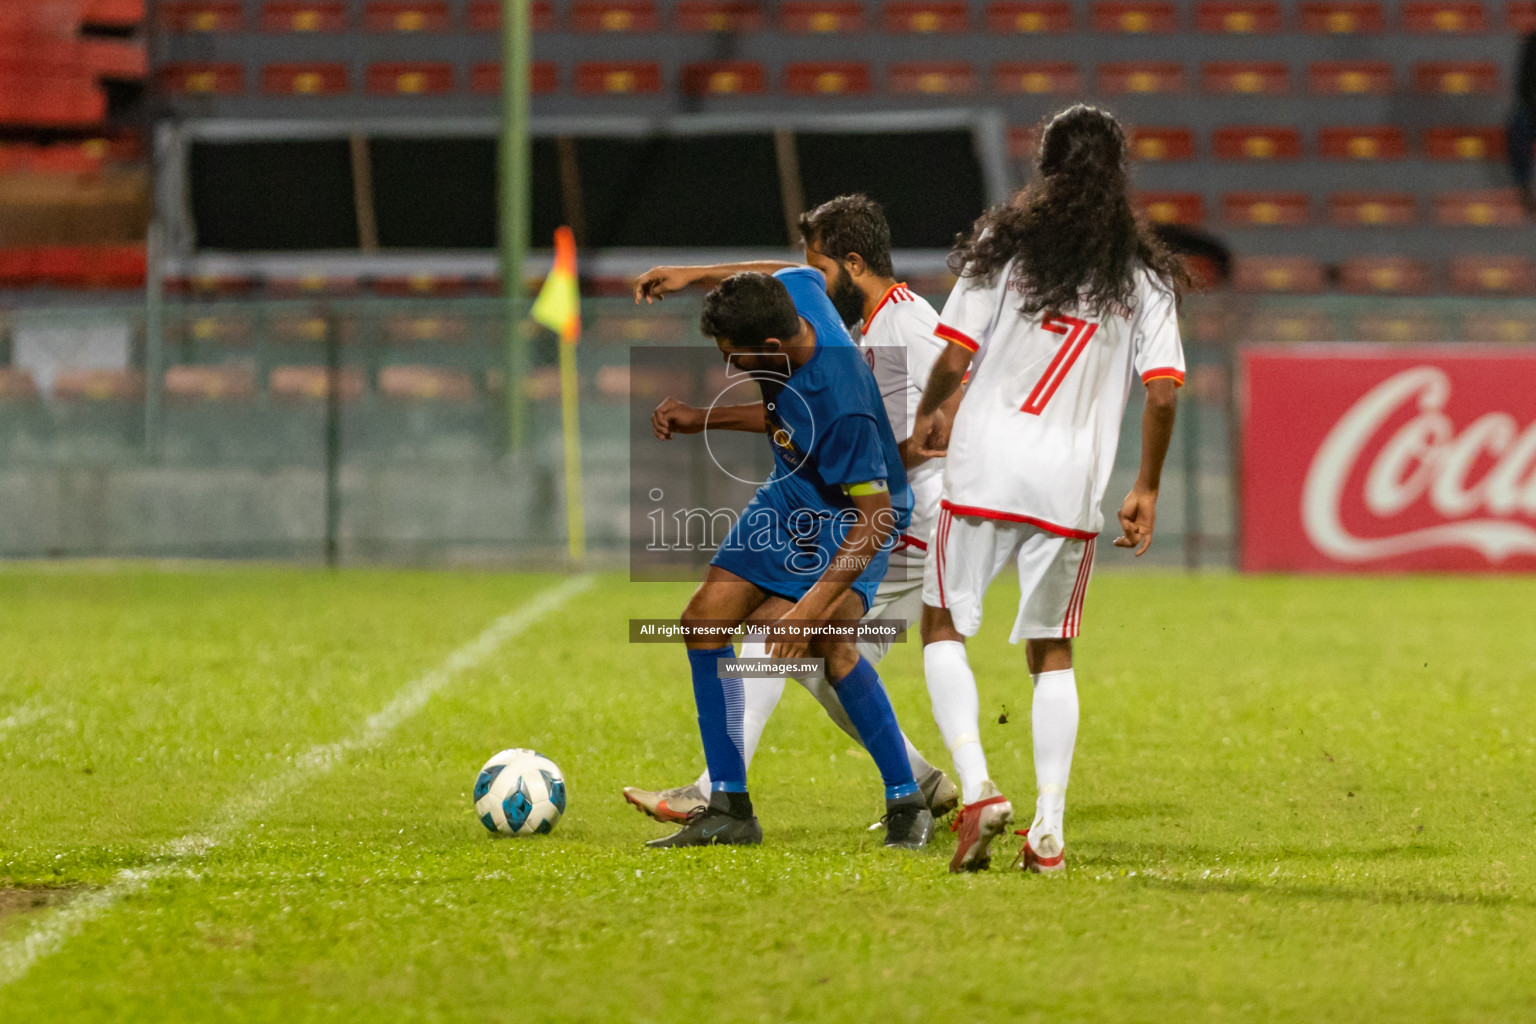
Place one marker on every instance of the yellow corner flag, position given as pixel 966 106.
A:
pixel 558 307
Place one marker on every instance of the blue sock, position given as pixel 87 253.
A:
pixel 869 709
pixel 720 703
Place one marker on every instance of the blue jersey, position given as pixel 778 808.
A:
pixel 828 429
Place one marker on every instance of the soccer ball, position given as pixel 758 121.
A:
pixel 519 793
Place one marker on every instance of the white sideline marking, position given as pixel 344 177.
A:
pixel 49 935
pixel 25 714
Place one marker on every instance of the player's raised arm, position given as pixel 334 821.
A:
pixel 1138 513
pixel 659 281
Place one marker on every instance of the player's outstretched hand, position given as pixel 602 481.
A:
pixel 659 281
pixel 1138 513
pixel 674 417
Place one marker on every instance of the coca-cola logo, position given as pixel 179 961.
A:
pixel 1478 481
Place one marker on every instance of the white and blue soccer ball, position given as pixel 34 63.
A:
pixel 519 793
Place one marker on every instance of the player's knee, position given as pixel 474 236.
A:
pixel 1048 655
pixel 840 659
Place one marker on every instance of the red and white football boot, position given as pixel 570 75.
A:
pixel 976 826
pixel 1045 856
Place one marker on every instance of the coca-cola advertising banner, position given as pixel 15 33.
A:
pixel 1363 458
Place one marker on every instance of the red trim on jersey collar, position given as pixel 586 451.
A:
pixel 897 292
pixel 949 334
pixel 1164 373
pixel 1014 517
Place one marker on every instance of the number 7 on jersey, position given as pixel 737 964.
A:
pixel 1077 334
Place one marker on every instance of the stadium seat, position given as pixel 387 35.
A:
pixel 98 385
pixel 1464 143
pixel 124 60
pixel 304 79
pixel 931 78
pixel 319 16
pixel 311 383
pixel 1520 16
pixel 1186 208
pixel 485 16
pixel 1265 209
pixel 424 285
pixel 1371 209
pixel 1162 145
pixel 1128 16
pixel 627 78
pixel 206 16
pixel 827 78
pixel 1350 78
pixel 823 17
pixel 16 266
pixel 1500 328
pixel 485 79
pixel 1037 78
pixel 16 385
pixel 1384 275
pixel 1342 17
pixel 1366 142
pixel 1441 17
pixel 1257 143
pixel 926 16
pixel 612 382
pixel 1494 208
pixel 408 78
pixel 616 16
pixel 736 16
pixel 1250 78
pixel 187 78
pixel 1286 326
pixel 220 329
pixel 1238 17
pixel 116 14
pixel 426 383
pixel 1292 275
pixel 1456 78
pixel 724 78
pixel 406 16
pixel 414 329
pixel 1405 327
pixel 210 383
pixel 1125 77
pixel 1029 17
pixel 1493 275
pixel 542 384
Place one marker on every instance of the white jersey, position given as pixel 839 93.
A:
pixel 900 344
pixel 1034 441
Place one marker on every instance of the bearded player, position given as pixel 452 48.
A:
pixel 849 240
pixel 1064 299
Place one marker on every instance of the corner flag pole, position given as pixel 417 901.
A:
pixel 558 307
pixel 513 162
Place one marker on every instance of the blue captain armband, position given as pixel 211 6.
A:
pixel 866 488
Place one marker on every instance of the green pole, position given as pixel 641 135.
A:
pixel 514 159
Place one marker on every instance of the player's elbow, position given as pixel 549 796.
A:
pixel 1162 396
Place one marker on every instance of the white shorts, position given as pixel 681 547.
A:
pixel 968 552
pixel 899 596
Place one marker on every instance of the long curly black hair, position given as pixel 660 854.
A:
pixel 1073 233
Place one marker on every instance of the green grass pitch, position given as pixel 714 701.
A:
pixel 1293 800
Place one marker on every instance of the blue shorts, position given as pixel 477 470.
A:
pixel 786 551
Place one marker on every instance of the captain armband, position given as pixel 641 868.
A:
pixel 867 488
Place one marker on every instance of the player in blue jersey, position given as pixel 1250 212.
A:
pixel 811 546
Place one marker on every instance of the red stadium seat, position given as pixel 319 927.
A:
pixel 410 78
pixel 1173 207
pixel 412 329
pixel 827 78
pixel 485 79
pixel 1457 78
pixel 1498 328
pixel 617 16
pixel 1384 275
pixel 205 16
pixel 1162 145
pixel 717 16
pixel 1257 143
pixel 823 17
pixel 1249 78
pixel 319 16
pixel 119 14
pixel 618 78
pixel 1371 209
pixel 1029 17
pixel 210 383
pixel 1265 209
pixel 1442 17
pixel 1286 326
pixel 1342 17
pixel 932 78
pixel 1037 78
pixel 304 79
pixel 724 78
pixel 1520 16
pixel 406 16
pixel 1128 16
pixel 1123 77
pixel 99 385
pixel 1398 328
pixel 925 16
pixel 1350 78
pixel 485 16
pixel 222 330
pixel 188 78
pixel 312 383
pixel 113 58
pixel 1464 143
pixel 1364 142
pixel 16 385
pixel 1238 17
pixel 426 384
pixel 1493 275
pixel 1291 275
pixel 1494 208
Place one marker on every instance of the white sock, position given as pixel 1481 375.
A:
pixel 826 695
pixel 762 695
pixel 1053 720
pixel 957 710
